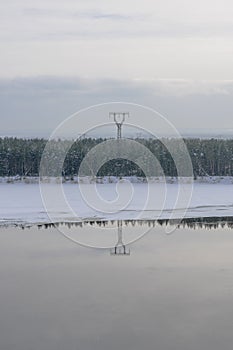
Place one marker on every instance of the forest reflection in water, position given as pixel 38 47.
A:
pixel 118 235
pixel 212 222
pixel 174 292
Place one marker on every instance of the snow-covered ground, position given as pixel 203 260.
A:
pixel 21 203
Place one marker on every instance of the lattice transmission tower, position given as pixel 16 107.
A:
pixel 120 248
pixel 119 119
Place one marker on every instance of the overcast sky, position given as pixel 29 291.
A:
pixel 172 55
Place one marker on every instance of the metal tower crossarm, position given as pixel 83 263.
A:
pixel 119 119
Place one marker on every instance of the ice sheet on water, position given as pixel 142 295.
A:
pixel 22 204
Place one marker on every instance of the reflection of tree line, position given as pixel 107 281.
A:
pixel 193 223
pixel 22 156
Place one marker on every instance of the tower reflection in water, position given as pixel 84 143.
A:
pixel 120 248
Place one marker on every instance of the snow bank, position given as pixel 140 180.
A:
pixel 113 179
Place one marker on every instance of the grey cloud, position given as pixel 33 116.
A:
pixel 35 106
pixel 160 87
pixel 183 87
pixel 111 16
pixel 166 31
pixel 46 85
pixel 46 22
pixel 150 25
pixel 61 13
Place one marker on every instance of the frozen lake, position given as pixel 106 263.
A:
pixel 174 292
pixel 22 203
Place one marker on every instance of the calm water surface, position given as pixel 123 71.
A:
pixel 174 292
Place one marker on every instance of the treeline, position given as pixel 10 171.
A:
pixel 22 156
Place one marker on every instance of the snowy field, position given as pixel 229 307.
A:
pixel 21 203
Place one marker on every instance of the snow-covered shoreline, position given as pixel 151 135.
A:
pixel 113 179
